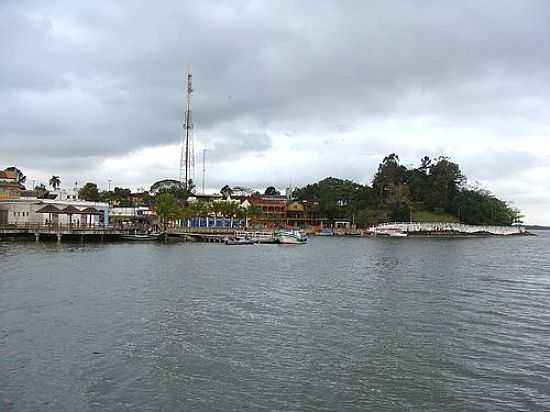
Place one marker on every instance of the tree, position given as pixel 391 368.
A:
pixel 446 180
pixel 216 209
pixel 425 164
pixel 41 191
pixel 251 213
pixel 480 207
pixel 19 176
pixel 54 182
pixel 89 192
pixel 167 208
pixel 226 191
pixel 389 176
pixel 119 196
pixel 435 185
pixel 271 191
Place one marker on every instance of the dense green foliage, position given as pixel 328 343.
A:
pixel 89 192
pixel 271 191
pixel 435 188
pixel 54 182
pixel 169 209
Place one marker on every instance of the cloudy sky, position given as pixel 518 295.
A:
pixel 286 92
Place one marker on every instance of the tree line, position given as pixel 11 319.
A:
pixel 168 208
pixel 434 190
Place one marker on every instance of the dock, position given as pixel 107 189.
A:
pixel 60 232
pixel 217 235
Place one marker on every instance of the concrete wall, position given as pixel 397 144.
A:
pixel 448 227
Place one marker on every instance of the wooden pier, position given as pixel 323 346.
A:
pixel 59 232
pixel 216 235
pixel 83 233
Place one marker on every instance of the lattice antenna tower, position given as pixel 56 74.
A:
pixel 187 156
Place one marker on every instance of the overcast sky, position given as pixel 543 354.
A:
pixel 286 93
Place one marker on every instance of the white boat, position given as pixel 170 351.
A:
pixel 397 234
pixel 239 241
pixel 326 232
pixel 291 237
pixel 142 237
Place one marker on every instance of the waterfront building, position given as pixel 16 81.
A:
pixel 296 214
pixel 205 197
pixel 273 211
pixel 24 211
pixel 124 215
pixel 10 186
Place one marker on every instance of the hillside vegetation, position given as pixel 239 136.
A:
pixel 436 190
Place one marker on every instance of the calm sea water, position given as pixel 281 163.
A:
pixel 338 324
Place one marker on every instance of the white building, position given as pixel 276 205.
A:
pixel 127 214
pixel 52 211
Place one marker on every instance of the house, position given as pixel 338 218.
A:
pixel 10 185
pixel 296 214
pixel 205 197
pixel 273 211
pixel 303 214
pixel 130 214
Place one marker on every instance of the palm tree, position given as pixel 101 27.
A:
pixel 55 181
pixel 197 209
pixel 232 210
pixel 184 214
pixel 216 208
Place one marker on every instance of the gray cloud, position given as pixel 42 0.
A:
pixel 94 80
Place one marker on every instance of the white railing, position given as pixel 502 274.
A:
pixel 447 227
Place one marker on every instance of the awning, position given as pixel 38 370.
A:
pixel 49 209
pixel 71 210
pixel 90 211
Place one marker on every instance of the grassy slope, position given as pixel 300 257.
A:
pixel 427 216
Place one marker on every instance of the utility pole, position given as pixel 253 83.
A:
pixel 186 160
pixel 203 169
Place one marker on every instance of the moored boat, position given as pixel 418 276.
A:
pixel 239 241
pixel 326 231
pixel 397 234
pixel 291 237
pixel 142 237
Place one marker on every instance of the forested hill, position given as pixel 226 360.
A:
pixel 436 190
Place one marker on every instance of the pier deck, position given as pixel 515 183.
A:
pixel 59 231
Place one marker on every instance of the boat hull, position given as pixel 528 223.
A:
pixel 239 242
pixel 142 238
pixel 397 234
pixel 290 239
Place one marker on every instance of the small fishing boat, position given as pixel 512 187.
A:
pixel 142 236
pixel 291 237
pixel 326 231
pixel 397 234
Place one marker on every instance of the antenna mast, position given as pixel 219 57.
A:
pixel 187 149
pixel 203 169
